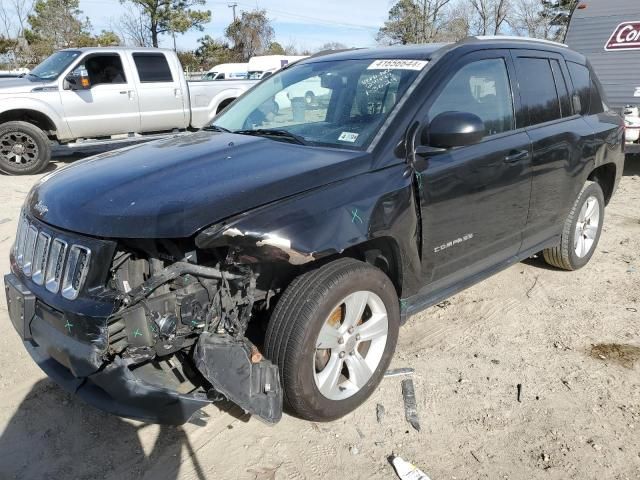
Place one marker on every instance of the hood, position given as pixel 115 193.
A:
pixel 173 188
pixel 18 85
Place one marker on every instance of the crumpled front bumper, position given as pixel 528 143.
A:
pixel 78 367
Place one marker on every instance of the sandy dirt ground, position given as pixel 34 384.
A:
pixel 570 340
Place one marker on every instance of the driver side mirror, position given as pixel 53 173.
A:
pixel 453 129
pixel 77 80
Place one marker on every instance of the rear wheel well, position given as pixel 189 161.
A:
pixel 605 176
pixel 224 104
pixel 33 117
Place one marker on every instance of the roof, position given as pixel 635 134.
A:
pixel 427 51
pixel 401 52
pixel 130 49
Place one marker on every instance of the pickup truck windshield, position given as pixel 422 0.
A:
pixel 54 65
pixel 334 103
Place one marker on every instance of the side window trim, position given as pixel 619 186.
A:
pixel 560 79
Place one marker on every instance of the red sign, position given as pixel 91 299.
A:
pixel 626 36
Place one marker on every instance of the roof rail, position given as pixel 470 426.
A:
pixel 527 39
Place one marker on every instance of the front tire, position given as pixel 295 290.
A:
pixel 332 335
pixel 581 230
pixel 24 149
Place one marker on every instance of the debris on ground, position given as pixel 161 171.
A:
pixel 443 304
pixel 379 413
pixel 519 388
pixel 625 355
pixel 410 405
pixel 397 372
pixel 406 470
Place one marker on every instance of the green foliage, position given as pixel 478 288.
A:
pixel 107 38
pixel 251 34
pixel 164 16
pixel 57 24
pixel 403 25
pixel 212 52
pixel 275 49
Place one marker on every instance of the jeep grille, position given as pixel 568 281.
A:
pixel 50 261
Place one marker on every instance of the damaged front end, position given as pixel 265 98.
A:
pixel 155 333
pixel 196 316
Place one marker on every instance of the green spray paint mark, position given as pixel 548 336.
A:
pixel 419 180
pixel 194 323
pixel 355 217
pixel 403 303
pixel 68 326
pixel 137 333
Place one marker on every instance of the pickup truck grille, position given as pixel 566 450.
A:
pixel 50 261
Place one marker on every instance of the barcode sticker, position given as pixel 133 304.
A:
pixel 397 65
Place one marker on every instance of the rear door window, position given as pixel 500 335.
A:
pixel 152 67
pixel 538 90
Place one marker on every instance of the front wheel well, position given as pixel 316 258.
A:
pixel 34 117
pixel 605 176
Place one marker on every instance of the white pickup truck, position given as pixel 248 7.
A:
pixel 92 96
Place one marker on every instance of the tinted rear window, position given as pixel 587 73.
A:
pixel 538 90
pixel 152 67
pixel 581 84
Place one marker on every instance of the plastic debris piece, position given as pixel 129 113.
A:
pixel 406 470
pixel 519 388
pixel 410 405
pixel 379 412
pixel 397 372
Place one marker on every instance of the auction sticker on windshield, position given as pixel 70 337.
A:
pixel 397 65
pixel 348 137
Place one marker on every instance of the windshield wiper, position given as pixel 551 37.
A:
pixel 274 132
pixel 216 128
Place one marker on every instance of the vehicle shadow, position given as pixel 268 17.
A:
pixel 632 165
pixel 55 435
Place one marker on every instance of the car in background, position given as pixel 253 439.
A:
pixel 262 66
pixel 89 97
pixel 227 71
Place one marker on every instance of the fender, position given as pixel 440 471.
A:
pixel 42 105
pixel 327 221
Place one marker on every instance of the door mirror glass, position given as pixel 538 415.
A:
pixel 78 80
pixel 453 129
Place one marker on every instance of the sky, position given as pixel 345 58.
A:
pixel 307 24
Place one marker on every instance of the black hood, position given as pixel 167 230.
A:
pixel 172 188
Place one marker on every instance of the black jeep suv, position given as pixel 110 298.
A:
pixel 271 258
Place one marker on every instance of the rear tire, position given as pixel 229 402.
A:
pixel 581 231
pixel 24 149
pixel 351 309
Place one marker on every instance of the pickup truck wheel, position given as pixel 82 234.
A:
pixel 332 335
pixel 581 230
pixel 24 148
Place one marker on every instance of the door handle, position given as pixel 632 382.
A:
pixel 124 92
pixel 516 156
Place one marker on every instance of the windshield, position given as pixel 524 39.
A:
pixel 337 103
pixel 54 65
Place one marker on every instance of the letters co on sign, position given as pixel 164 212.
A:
pixel 626 36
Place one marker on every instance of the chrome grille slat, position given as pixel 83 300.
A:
pixel 20 241
pixel 30 246
pixel 55 265
pixel 75 271
pixel 40 258
pixel 49 260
